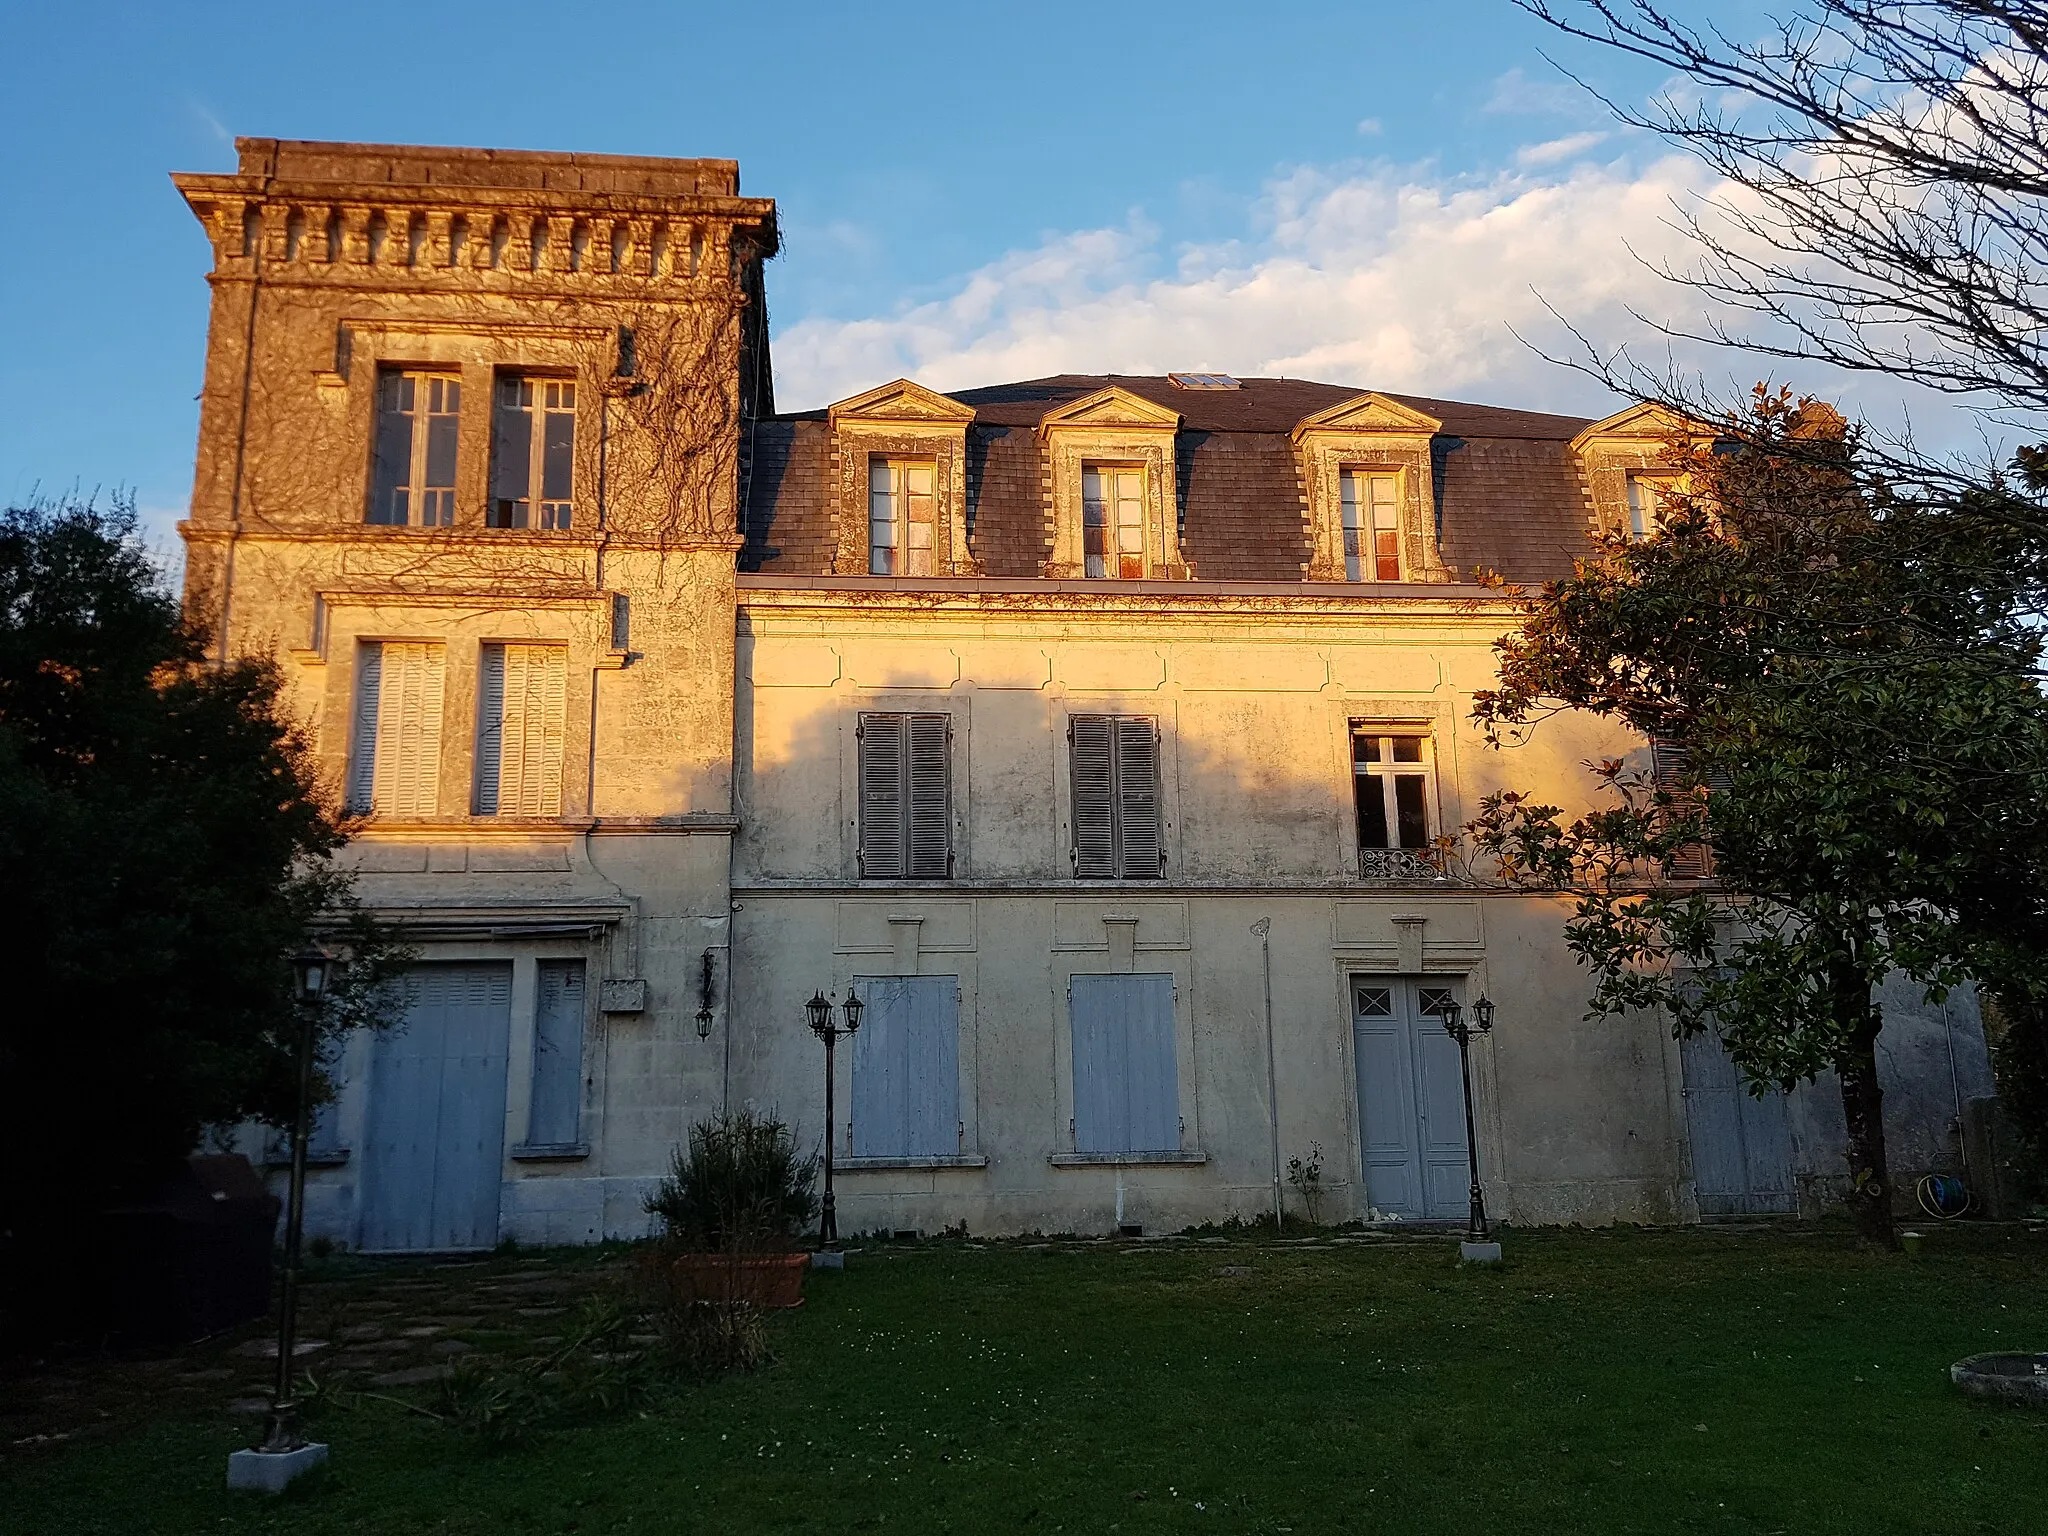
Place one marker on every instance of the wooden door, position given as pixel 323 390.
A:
pixel 434 1148
pixel 1411 1102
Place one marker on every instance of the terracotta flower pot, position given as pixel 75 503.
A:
pixel 756 1279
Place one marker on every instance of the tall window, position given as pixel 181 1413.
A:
pixel 1391 772
pixel 1113 522
pixel 1126 1087
pixel 1646 495
pixel 413 479
pixel 906 796
pixel 1116 797
pixel 394 764
pixel 1672 770
pixel 519 730
pixel 533 466
pixel 902 517
pixel 1372 529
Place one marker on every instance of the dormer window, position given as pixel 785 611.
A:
pixel 1370 505
pixel 1113 521
pixel 1646 496
pixel 902 517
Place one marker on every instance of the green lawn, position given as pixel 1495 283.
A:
pixel 1666 1381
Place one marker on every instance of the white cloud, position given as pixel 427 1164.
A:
pixel 1516 95
pixel 1376 278
pixel 1370 127
pixel 1555 151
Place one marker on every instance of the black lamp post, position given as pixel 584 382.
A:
pixel 310 970
pixel 820 1010
pixel 1459 1030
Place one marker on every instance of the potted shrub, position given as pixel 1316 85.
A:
pixel 733 1211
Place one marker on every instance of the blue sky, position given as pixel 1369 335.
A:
pixel 1372 193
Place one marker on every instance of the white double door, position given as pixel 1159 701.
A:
pixel 1411 1100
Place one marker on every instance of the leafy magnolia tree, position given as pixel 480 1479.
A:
pixel 1875 742
pixel 165 846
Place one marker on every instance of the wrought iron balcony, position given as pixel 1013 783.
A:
pixel 1405 866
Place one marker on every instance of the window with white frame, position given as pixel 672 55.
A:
pixel 1113 521
pixel 394 764
pixel 906 796
pixel 1646 497
pixel 533 453
pixel 418 421
pixel 1370 503
pixel 1115 771
pixel 519 726
pixel 1394 778
pixel 902 517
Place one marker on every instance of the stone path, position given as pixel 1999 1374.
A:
pixel 392 1326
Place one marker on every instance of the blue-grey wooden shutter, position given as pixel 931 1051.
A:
pixel 362 744
pixel 555 1110
pixel 1152 1084
pixel 906 1068
pixel 1093 770
pixel 881 1096
pixel 1137 798
pixel 1126 1086
pixel 932 1066
pixel 929 797
pixel 1100 1108
pixel 490 728
pixel 883 813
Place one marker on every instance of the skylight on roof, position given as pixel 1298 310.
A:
pixel 1202 381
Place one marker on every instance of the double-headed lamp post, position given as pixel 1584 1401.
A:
pixel 820 1010
pixel 311 968
pixel 1456 1026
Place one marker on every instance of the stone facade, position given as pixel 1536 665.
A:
pixel 697 858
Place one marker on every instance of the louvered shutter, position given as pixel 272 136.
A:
pixel 1137 798
pixel 530 780
pixel 362 745
pixel 1671 768
pixel 883 812
pixel 408 730
pixel 490 727
pixel 1094 786
pixel 930 843
pixel 932 1061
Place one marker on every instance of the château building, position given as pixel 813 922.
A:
pixel 1103 733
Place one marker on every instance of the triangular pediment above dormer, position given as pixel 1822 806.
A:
pixel 1646 419
pixel 1113 407
pixel 902 400
pixel 1369 413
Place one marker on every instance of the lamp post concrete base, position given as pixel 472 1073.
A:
pixel 828 1259
pixel 1479 1253
pixel 273 1471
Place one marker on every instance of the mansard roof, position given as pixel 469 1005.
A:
pixel 1510 497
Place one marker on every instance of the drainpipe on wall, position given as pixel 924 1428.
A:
pixel 1264 929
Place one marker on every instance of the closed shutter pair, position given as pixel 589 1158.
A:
pixel 1671 769
pixel 906 796
pixel 395 740
pixel 1116 797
